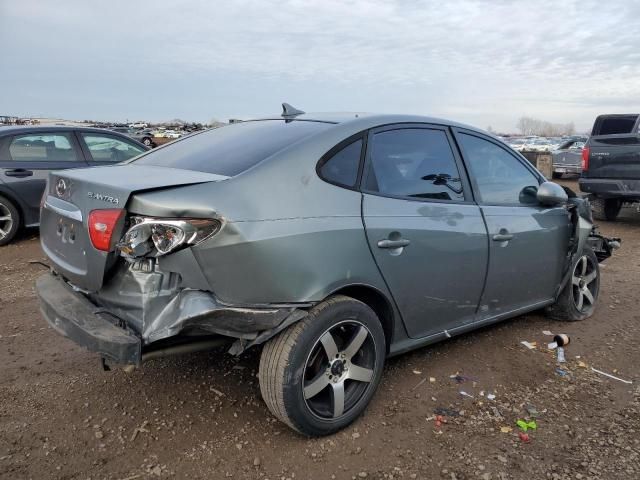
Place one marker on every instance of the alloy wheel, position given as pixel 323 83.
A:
pixel 585 274
pixel 6 221
pixel 339 369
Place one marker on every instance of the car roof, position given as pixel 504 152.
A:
pixel 16 129
pixel 373 119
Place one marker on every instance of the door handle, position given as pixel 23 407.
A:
pixel 502 236
pixel 403 242
pixel 19 173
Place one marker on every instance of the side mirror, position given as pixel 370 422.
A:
pixel 551 194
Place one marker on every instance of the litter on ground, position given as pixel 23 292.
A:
pixel 629 382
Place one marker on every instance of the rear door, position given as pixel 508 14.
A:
pixel 425 233
pixel 105 148
pixel 27 158
pixel 528 243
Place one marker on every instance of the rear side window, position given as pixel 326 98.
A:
pixel 416 163
pixel 500 178
pixel 106 148
pixel 613 125
pixel 342 167
pixel 47 147
pixel 232 149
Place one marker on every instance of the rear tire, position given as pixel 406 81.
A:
pixel 606 209
pixel 578 299
pixel 556 175
pixel 318 375
pixel 9 221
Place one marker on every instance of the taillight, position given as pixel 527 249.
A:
pixel 585 159
pixel 101 226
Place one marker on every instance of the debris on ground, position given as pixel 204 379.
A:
pixel 141 429
pixel 628 382
pixel 449 412
pixel 531 410
pixel 529 345
pixel 419 383
pixel 524 425
pixel 561 357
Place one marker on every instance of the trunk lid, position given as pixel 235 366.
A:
pixel 70 197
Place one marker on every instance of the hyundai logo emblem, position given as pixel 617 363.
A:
pixel 61 187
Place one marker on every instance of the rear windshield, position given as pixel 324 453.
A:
pixel 232 149
pixel 614 125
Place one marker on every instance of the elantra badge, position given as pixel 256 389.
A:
pixel 104 198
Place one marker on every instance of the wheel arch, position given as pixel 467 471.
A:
pixel 377 301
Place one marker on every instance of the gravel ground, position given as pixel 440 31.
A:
pixel 201 416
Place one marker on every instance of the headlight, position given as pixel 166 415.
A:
pixel 160 236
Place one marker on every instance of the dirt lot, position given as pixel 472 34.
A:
pixel 201 416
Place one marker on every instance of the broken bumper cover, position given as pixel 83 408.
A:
pixel 112 331
pixel 72 315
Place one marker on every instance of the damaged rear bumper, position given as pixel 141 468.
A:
pixel 72 315
pixel 190 315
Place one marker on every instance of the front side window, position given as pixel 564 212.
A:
pixel 46 147
pixel 105 148
pixel 413 162
pixel 342 167
pixel 500 178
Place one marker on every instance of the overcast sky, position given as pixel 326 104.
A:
pixel 479 62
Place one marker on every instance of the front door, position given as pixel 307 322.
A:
pixel 427 237
pixel 26 160
pixel 528 243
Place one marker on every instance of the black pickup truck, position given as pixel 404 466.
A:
pixel 611 164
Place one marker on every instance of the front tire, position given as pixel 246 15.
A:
pixel 556 175
pixel 9 221
pixel 318 375
pixel 577 301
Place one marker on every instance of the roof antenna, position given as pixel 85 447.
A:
pixel 289 111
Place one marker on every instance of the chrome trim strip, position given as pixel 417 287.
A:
pixel 72 214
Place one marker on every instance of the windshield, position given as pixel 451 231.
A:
pixel 232 149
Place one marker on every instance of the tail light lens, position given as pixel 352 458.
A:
pixel 585 159
pixel 101 226
pixel 158 236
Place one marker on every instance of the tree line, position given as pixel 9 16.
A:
pixel 542 128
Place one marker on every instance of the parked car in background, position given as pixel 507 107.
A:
pixel 144 136
pixel 517 143
pixel 611 164
pixel 539 144
pixel 139 125
pixel 567 158
pixel 333 240
pixel 28 154
pixel 172 134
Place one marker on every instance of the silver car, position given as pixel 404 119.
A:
pixel 330 241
